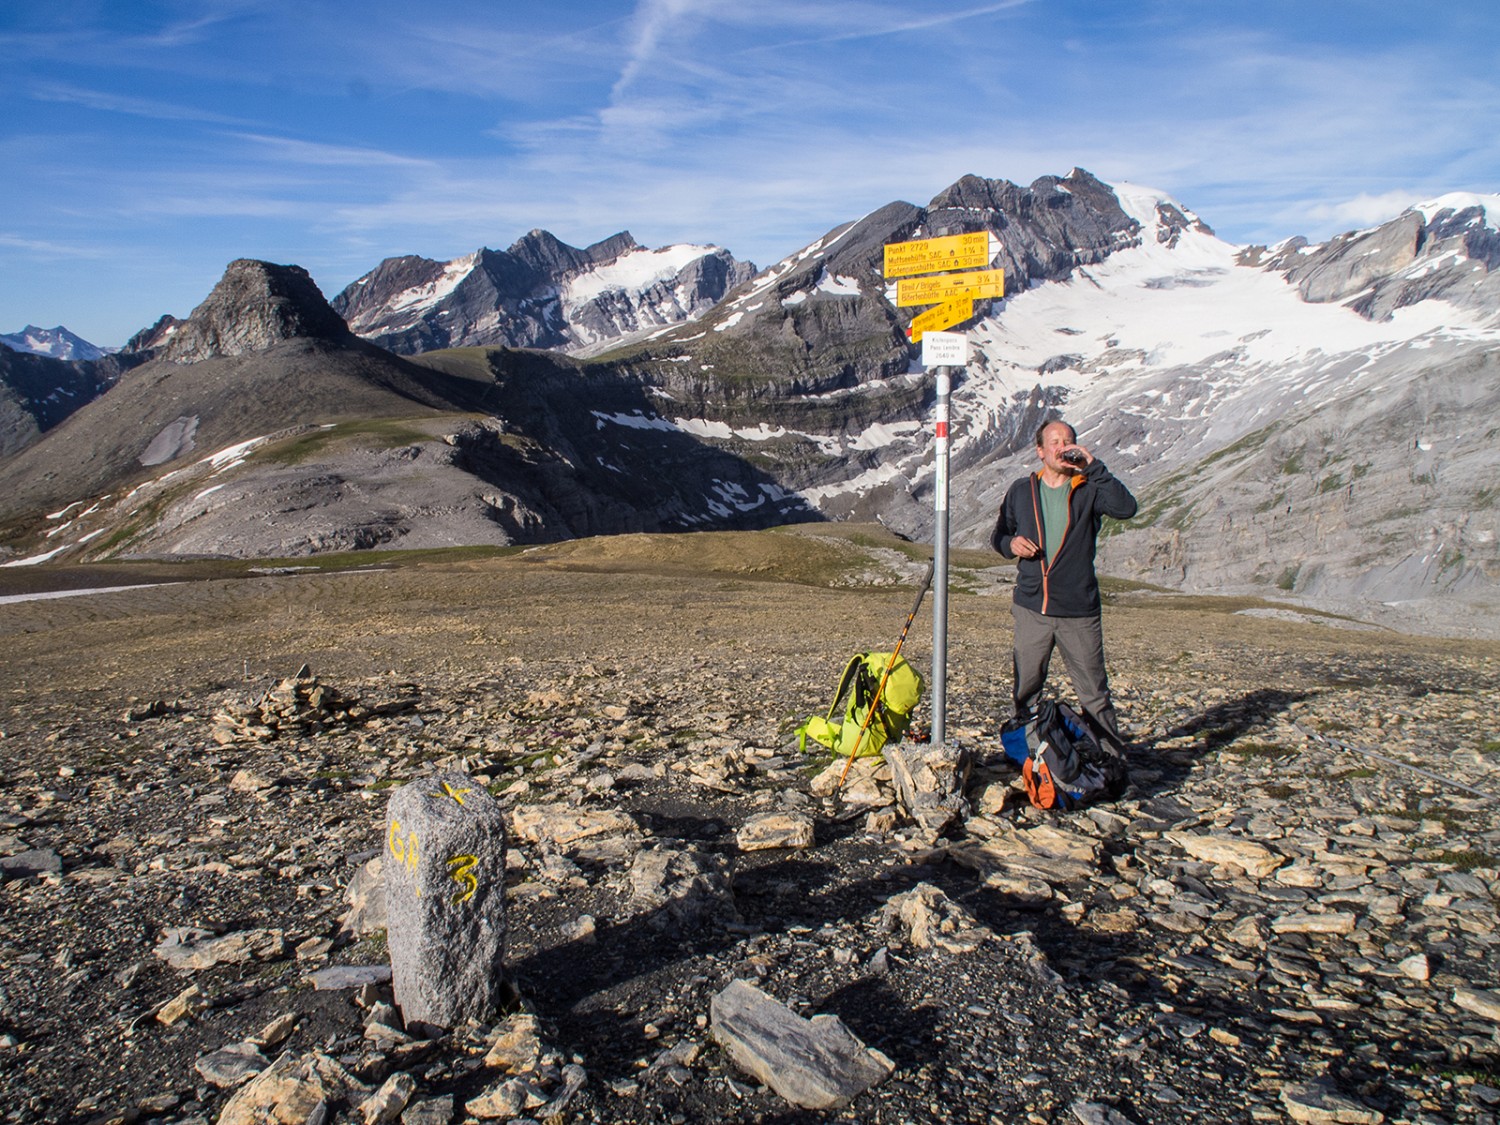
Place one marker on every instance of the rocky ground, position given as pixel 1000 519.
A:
pixel 1273 924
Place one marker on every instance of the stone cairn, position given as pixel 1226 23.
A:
pixel 444 866
pixel 302 704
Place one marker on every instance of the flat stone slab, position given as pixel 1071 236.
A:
pixel 1320 1103
pixel 1097 1113
pixel 187 948
pixel 1333 922
pixel 564 826
pixel 1480 1001
pixel 813 1064
pixel 36 861
pixel 231 1065
pixel 1248 856
pixel 336 977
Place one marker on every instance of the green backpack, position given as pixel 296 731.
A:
pixel 903 691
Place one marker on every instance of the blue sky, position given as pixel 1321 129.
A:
pixel 147 144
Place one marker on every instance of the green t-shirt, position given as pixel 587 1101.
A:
pixel 1054 516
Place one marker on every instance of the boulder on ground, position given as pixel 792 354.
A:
pixel 930 781
pixel 813 1064
pixel 775 830
pixel 682 889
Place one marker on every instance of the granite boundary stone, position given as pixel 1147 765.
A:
pixel 444 871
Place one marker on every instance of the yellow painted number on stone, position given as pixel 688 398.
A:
pixel 461 867
pixel 405 850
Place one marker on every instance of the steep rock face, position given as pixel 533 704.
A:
pixel 1045 231
pixel 824 318
pixel 1445 249
pixel 541 293
pixel 255 305
pixel 1382 493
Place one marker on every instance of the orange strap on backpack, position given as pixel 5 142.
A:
pixel 1041 790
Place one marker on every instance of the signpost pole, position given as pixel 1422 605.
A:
pixel 954 295
pixel 940 564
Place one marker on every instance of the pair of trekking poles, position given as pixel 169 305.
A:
pixel 889 664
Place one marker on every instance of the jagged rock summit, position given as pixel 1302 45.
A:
pixel 149 339
pixel 264 354
pixel 254 305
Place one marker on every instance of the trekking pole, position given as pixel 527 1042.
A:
pixel 889 664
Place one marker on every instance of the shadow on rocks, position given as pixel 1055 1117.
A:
pixel 1211 731
pixel 767 897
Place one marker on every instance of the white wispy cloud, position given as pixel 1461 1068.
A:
pixel 654 21
pixel 1364 209
pixel 847 23
pixel 48 248
pixel 323 154
pixel 113 102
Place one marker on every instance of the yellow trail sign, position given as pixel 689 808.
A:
pixel 949 287
pixel 929 255
pixel 942 316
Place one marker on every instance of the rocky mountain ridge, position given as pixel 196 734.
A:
pixel 264 427
pixel 254 306
pixel 1304 420
pixel 37 392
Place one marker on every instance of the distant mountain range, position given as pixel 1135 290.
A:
pixel 540 293
pixel 1312 422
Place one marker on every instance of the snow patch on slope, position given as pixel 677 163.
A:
pixel 1156 307
pixel 633 272
pixel 421 297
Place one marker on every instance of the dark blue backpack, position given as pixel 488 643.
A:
pixel 1062 763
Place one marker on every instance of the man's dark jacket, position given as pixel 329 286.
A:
pixel 1068 587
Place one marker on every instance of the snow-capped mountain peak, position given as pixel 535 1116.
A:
pixel 57 342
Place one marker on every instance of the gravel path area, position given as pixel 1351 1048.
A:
pixel 1290 916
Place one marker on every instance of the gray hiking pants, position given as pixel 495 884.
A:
pixel 1081 642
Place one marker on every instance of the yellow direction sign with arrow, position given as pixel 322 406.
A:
pixel 942 316
pixel 950 287
pixel 930 255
